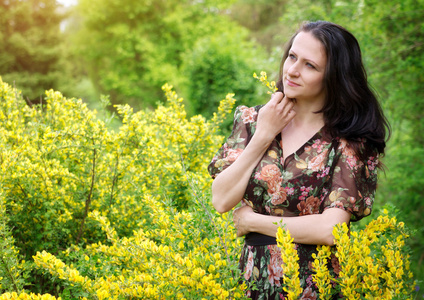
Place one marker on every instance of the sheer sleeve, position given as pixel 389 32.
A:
pixel 353 184
pixel 243 127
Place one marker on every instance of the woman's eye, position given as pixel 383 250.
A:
pixel 310 66
pixel 291 56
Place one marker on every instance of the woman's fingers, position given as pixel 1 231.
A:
pixel 274 116
pixel 280 103
pixel 279 108
pixel 277 97
pixel 288 106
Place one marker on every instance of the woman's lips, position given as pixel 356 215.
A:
pixel 291 83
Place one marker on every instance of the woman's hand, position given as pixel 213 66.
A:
pixel 274 116
pixel 241 219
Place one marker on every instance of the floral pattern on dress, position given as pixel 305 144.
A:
pixel 321 174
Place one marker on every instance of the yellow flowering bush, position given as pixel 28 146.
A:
pixel 373 262
pixel 178 258
pixel 59 162
pixel 130 207
pixel 27 296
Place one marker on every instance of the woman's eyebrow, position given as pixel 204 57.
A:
pixel 307 59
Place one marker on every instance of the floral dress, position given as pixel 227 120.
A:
pixel 321 174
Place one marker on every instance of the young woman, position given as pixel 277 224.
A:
pixel 308 157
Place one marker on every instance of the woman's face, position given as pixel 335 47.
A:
pixel 304 69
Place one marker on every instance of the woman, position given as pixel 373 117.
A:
pixel 307 158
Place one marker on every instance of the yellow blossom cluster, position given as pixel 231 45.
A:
pixel 264 79
pixel 173 259
pixel 373 262
pixel 291 265
pixel 27 296
pixel 322 276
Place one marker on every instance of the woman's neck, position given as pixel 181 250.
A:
pixel 307 116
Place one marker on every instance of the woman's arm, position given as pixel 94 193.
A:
pixel 314 229
pixel 229 186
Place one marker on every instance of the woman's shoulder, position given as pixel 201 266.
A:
pixel 351 151
pixel 353 147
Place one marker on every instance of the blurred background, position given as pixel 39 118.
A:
pixel 127 49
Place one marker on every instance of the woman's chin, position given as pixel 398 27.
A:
pixel 290 95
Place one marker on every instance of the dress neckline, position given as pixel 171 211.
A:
pixel 299 151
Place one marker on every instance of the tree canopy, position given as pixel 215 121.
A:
pixel 133 47
pixel 30 42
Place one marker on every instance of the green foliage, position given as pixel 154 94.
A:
pixel 133 47
pixel 30 45
pixel 217 64
pixel 261 18
pixel 402 186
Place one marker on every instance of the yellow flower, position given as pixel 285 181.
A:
pixel 291 266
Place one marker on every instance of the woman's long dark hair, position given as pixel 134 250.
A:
pixel 351 109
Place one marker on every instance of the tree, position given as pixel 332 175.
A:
pixel 30 45
pixel 261 18
pixel 131 48
pixel 220 64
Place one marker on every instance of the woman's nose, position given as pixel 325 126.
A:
pixel 293 70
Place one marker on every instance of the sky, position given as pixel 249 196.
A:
pixel 67 2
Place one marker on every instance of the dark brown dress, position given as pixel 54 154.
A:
pixel 321 174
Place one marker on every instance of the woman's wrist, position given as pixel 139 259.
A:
pixel 254 219
pixel 263 224
pixel 263 140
